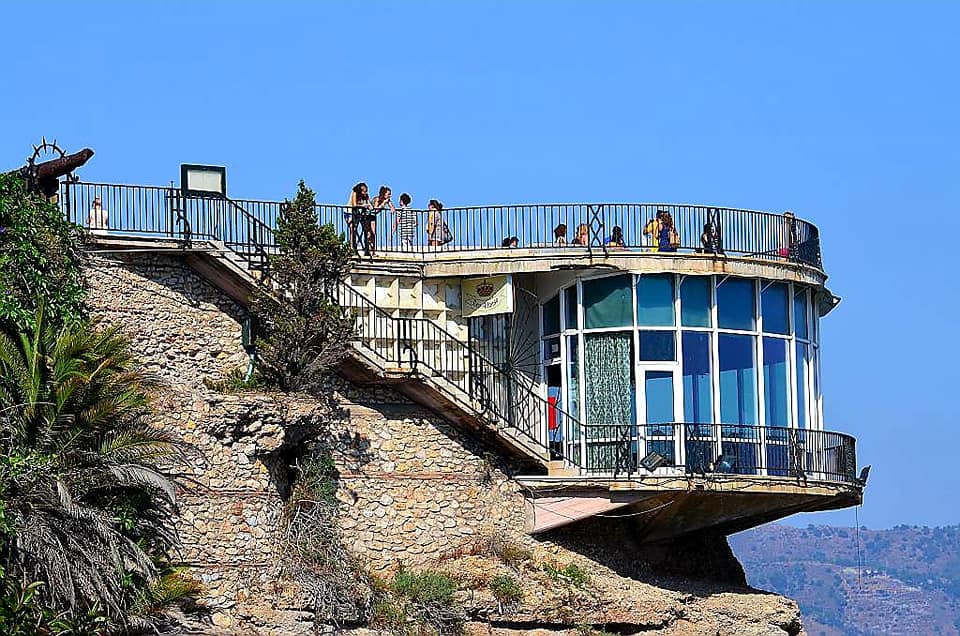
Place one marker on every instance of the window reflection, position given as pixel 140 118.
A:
pixel 736 304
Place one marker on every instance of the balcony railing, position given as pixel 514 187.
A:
pixel 247 225
pixel 713 449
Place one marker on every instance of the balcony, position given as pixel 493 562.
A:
pixel 246 226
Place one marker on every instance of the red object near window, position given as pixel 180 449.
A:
pixel 552 412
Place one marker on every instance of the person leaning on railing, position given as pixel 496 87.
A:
pixel 560 235
pixel 357 206
pixel 381 203
pixel 582 237
pixel 652 230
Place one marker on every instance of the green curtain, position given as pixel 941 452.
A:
pixel 608 386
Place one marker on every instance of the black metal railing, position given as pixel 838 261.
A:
pixel 710 231
pixel 709 449
pixel 508 399
pixel 167 212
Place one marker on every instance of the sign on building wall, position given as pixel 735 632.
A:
pixel 487 296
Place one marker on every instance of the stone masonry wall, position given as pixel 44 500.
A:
pixel 412 488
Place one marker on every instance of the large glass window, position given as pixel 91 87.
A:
pixel 658 345
pixel 697 384
pixel 738 383
pixel 695 301
pixel 800 314
pixel 736 304
pixel 607 302
pixel 570 306
pixel 551 316
pixel 802 357
pixel 776 400
pixel 774 308
pixel 655 300
pixel 658 391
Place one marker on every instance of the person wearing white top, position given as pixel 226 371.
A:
pixel 98 218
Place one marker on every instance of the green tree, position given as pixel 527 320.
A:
pixel 305 333
pixel 87 509
pixel 39 258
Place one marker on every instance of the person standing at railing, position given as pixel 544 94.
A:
pixel 357 207
pixel 405 220
pixel 651 231
pixel 437 231
pixel 582 237
pixel 669 238
pixel 787 236
pixel 381 203
pixel 98 219
pixel 616 237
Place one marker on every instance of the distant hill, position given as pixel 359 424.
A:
pixel 909 582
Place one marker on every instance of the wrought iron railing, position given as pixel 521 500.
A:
pixel 247 224
pixel 507 398
pixel 710 449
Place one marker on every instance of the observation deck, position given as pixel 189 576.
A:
pixel 629 376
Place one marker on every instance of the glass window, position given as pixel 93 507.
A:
pixel 773 305
pixel 658 389
pixel 655 300
pixel 800 313
pixel 658 345
pixel 608 381
pixel 736 304
pixel 551 348
pixel 607 302
pixel 776 400
pixel 802 353
pixel 572 403
pixel 551 316
pixel 695 301
pixel 570 303
pixel 738 380
pixel 697 384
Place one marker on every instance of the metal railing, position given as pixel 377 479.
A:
pixel 708 449
pixel 710 231
pixel 507 399
pixel 134 210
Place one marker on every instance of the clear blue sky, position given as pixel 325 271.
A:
pixel 846 112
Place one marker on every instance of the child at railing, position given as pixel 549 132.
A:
pixel 582 237
pixel 405 220
pixel 560 235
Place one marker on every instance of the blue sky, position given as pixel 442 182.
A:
pixel 846 112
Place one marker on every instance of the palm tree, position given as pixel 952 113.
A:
pixel 84 503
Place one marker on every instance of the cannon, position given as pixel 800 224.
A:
pixel 44 178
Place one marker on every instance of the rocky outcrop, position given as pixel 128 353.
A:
pixel 412 489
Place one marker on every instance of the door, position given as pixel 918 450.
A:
pixel 657 414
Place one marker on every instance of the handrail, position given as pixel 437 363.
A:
pixel 711 449
pixel 419 342
pixel 713 231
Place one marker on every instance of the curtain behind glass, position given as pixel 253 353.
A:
pixel 608 385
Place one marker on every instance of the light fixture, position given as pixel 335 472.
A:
pixel 725 463
pixel 203 181
pixel 653 461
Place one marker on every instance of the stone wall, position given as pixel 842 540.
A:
pixel 412 489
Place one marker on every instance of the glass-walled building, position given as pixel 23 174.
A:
pixel 709 372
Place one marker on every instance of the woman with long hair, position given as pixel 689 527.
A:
pixel 668 238
pixel 560 235
pixel 357 208
pixel 582 237
pixel 437 231
pixel 381 203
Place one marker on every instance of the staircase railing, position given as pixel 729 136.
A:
pixel 457 369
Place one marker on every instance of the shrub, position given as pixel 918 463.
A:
pixel 572 574
pixel 39 259
pixel 428 597
pixel 236 381
pixel 506 589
